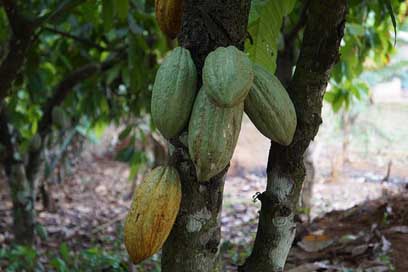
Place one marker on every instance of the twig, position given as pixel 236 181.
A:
pixel 66 85
pixel 76 38
pixel 387 175
pixel 120 217
pixel 61 9
pixel 291 36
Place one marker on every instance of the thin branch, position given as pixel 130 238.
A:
pixel 6 139
pixel 68 83
pixel 63 8
pixel 62 90
pixel 291 36
pixel 76 38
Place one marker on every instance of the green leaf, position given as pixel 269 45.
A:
pixel 59 265
pixel 41 231
pixel 264 27
pixel 355 29
pixel 125 133
pixel 64 251
pixel 394 21
pixel 108 14
pixel 122 8
pixel 137 73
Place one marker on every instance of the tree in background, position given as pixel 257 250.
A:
pixel 67 67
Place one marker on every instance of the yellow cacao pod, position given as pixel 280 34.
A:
pixel 168 15
pixel 154 209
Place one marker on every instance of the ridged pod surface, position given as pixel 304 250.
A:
pixel 227 76
pixel 213 134
pixel 174 91
pixel 269 107
pixel 168 15
pixel 155 205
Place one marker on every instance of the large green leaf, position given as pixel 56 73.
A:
pixel 264 26
pixel 108 13
pixel 122 8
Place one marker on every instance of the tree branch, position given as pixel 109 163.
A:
pixel 76 38
pixel 291 36
pixel 20 41
pixel 19 25
pixel 68 83
pixel 6 139
pixel 61 91
pixel 63 8
pixel 286 59
pixel 286 172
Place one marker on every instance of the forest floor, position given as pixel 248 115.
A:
pixel 359 215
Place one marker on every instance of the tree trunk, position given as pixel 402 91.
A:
pixel 286 172
pixel 23 197
pixel 308 183
pixel 193 244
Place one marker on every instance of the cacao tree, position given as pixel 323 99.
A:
pixel 207 26
pixel 286 170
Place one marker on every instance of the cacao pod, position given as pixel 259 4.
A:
pixel 168 15
pixel 174 91
pixel 269 107
pixel 227 76
pixel 154 209
pixel 35 142
pixel 60 117
pixel 212 135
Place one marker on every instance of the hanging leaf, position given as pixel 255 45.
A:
pixel 394 21
pixel 108 13
pixel 122 8
pixel 137 73
pixel 264 26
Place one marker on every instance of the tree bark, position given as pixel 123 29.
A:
pixel 20 41
pixel 286 172
pixel 193 244
pixel 23 198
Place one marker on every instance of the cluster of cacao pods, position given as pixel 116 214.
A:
pixel 231 85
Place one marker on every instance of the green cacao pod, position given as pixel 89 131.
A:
pixel 168 15
pixel 227 76
pixel 269 107
pixel 212 135
pixel 60 117
pixel 154 209
pixel 174 92
pixel 35 142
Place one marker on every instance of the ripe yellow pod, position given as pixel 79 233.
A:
pixel 154 209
